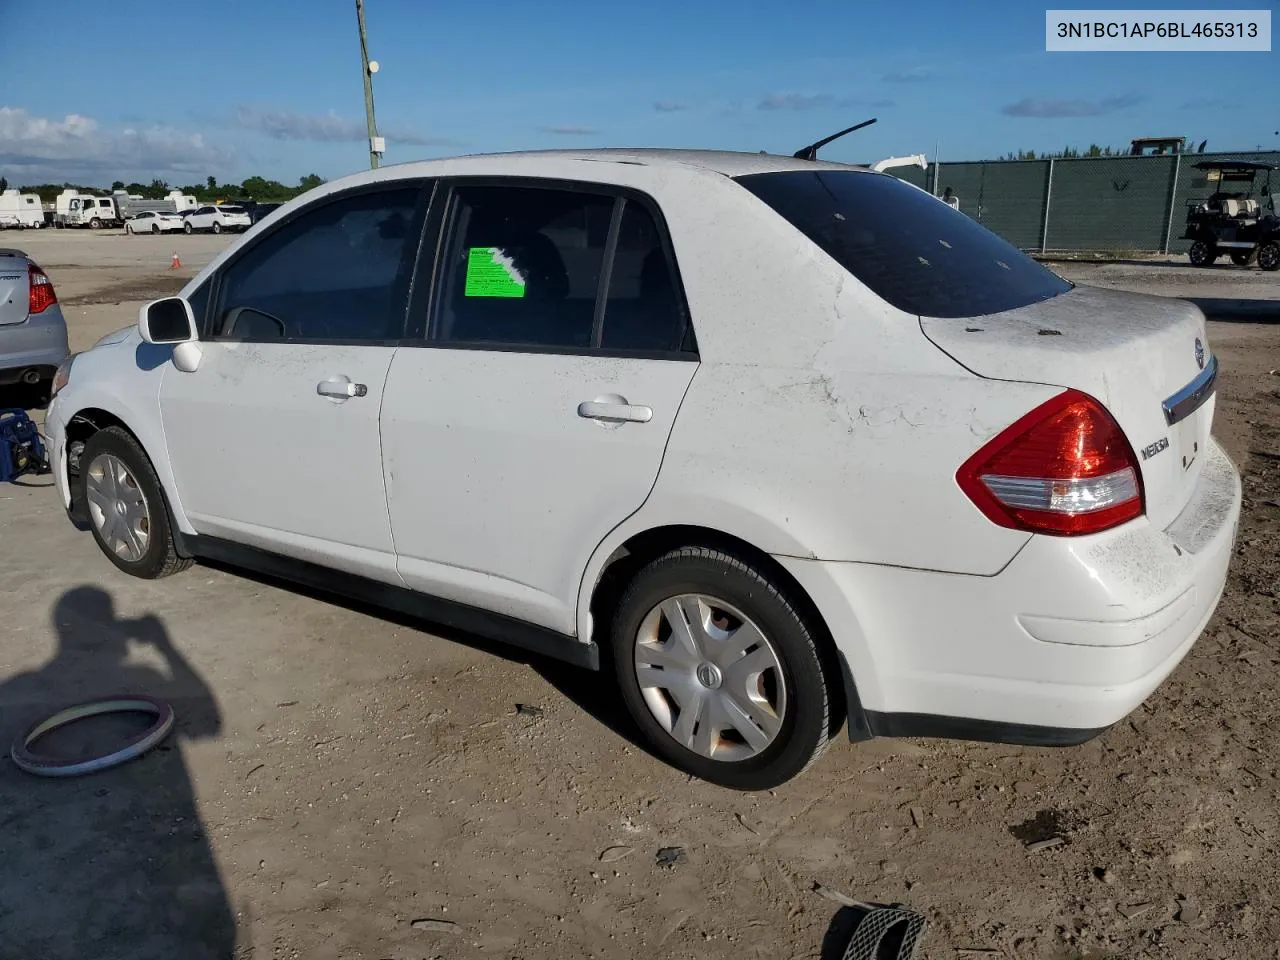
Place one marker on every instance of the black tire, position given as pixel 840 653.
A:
pixel 1202 254
pixel 95 223
pixel 217 227
pixel 161 557
pixel 1269 256
pixel 155 228
pixel 805 728
pixel 186 227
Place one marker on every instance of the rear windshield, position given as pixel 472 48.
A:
pixel 911 249
pixel 232 209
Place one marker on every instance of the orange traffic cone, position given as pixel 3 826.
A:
pixel 177 262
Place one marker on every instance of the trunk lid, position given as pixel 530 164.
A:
pixel 1136 354
pixel 14 295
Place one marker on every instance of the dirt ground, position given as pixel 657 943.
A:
pixel 345 786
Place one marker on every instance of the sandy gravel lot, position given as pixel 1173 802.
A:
pixel 337 777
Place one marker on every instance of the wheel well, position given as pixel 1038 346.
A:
pixel 83 425
pixel 645 547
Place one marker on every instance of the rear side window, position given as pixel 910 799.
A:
pixel 531 266
pixel 908 247
pixel 524 266
pixel 644 311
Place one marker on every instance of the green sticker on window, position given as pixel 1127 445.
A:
pixel 491 273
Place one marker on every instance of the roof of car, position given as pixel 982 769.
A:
pixel 727 162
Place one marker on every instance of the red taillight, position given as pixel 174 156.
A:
pixel 1065 468
pixel 41 297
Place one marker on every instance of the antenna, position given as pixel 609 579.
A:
pixel 811 152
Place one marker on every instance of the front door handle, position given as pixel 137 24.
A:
pixel 614 411
pixel 341 388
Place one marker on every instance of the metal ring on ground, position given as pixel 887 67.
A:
pixel 48 766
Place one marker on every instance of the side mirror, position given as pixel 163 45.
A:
pixel 169 320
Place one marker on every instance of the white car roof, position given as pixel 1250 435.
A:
pixel 543 162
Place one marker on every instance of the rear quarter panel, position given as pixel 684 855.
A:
pixel 821 423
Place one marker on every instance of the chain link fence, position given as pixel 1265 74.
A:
pixel 1088 204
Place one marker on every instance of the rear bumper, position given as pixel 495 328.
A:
pixel 1068 639
pixel 40 342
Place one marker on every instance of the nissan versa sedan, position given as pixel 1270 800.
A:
pixel 785 446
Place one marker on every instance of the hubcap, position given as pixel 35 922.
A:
pixel 118 508
pixel 710 677
pixel 1268 256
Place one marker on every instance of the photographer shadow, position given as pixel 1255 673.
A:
pixel 116 863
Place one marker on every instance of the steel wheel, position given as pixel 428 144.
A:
pixel 118 508
pixel 710 677
pixel 1269 256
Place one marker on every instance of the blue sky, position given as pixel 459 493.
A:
pixel 272 87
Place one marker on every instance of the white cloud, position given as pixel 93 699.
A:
pixel 570 130
pixel 324 128
pixel 78 148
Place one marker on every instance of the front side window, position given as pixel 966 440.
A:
pixel 337 272
pixel 910 249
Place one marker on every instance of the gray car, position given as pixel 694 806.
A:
pixel 33 333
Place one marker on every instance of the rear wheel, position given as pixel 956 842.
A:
pixel 217 227
pixel 187 226
pixel 1202 254
pixel 94 224
pixel 126 506
pixel 1269 255
pixel 155 228
pixel 720 671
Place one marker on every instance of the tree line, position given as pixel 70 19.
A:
pixel 1075 153
pixel 257 189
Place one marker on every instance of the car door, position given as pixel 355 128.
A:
pixel 533 417
pixel 274 436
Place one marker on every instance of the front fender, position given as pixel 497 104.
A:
pixel 122 379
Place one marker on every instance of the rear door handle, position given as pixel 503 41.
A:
pixel 341 388
pixel 612 411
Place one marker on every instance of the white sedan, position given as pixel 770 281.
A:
pixel 785 444
pixel 217 219
pixel 153 222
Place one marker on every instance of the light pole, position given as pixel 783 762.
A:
pixel 376 145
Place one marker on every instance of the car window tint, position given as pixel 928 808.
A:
pixel 908 247
pixel 524 266
pixel 644 310
pixel 333 273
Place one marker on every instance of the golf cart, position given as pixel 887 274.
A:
pixel 1233 221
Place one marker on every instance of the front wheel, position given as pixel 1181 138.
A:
pixel 720 671
pixel 126 506
pixel 1269 255
pixel 1202 254
pixel 94 224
